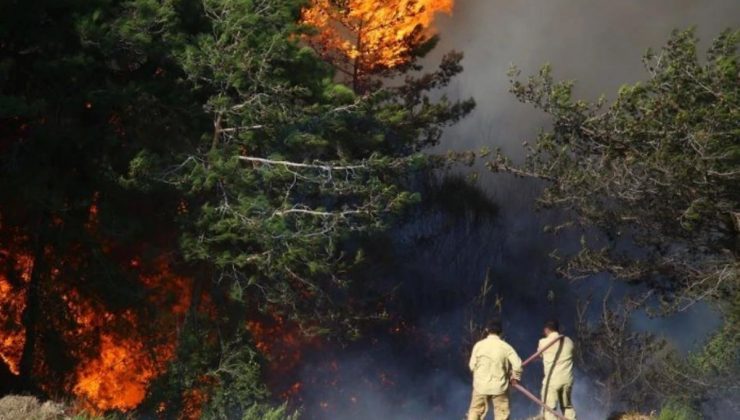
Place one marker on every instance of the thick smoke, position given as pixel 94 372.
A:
pixel 444 259
pixel 599 43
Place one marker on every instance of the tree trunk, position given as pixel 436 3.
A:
pixel 196 291
pixel 8 381
pixel 356 71
pixel 31 313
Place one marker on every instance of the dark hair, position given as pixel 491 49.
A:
pixel 494 327
pixel 552 325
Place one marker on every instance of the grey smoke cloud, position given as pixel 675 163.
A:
pixel 599 43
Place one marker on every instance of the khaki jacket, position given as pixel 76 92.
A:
pixel 493 361
pixel 558 361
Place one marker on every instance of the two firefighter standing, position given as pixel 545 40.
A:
pixel 495 365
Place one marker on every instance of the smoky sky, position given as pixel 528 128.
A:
pixel 443 258
pixel 598 43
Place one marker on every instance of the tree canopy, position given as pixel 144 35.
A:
pixel 660 166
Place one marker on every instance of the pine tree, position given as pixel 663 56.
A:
pixel 658 166
pixel 296 164
pixel 296 169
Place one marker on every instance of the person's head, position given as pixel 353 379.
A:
pixel 494 327
pixel 551 326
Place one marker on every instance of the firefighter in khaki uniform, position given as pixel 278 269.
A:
pixel 558 381
pixel 494 363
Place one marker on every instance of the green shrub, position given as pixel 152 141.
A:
pixel 675 410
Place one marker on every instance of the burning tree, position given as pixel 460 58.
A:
pixel 362 38
pixel 296 166
pixel 295 172
pixel 200 137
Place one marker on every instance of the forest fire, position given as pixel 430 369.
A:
pixel 118 376
pixel 112 353
pixel 91 304
pixel 280 209
pixel 362 37
pixel 118 354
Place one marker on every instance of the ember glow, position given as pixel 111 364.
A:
pixel 284 345
pixel 371 35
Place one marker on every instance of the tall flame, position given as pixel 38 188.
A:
pixel 371 35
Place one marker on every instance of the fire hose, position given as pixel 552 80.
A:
pixel 528 394
pixel 542 350
pixel 539 402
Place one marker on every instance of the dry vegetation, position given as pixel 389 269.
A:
pixel 631 416
pixel 14 407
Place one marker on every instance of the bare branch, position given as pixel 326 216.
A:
pixel 326 167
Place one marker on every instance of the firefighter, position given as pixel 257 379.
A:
pixel 494 364
pixel 557 384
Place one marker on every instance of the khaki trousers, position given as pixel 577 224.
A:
pixel 559 395
pixel 479 406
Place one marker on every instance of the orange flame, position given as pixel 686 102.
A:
pixel 371 34
pixel 118 377
pixel 12 304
